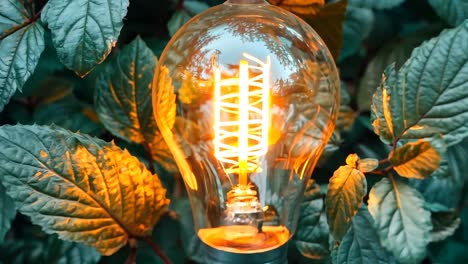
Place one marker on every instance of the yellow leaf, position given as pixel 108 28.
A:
pixel 81 188
pixel 415 159
pixel 165 114
pixel 352 160
pixel 366 165
pixel 300 7
pixel 344 197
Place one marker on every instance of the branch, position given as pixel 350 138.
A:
pixel 157 250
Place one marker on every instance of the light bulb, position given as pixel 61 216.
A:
pixel 255 93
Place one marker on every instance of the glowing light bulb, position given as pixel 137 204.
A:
pixel 256 94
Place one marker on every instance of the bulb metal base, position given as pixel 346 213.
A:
pixel 275 256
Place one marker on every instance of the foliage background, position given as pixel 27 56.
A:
pixel 58 68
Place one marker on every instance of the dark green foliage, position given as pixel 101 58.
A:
pixel 404 109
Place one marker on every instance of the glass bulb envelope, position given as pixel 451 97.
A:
pixel 255 94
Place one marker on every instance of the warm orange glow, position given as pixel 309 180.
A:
pixel 241 116
pixel 244 239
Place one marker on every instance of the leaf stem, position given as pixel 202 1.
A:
pixel 384 161
pixel 383 171
pixel 132 255
pixel 150 157
pixel 157 250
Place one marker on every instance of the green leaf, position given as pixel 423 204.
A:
pixel 7 212
pixel 444 224
pixel 401 221
pixel 190 241
pixel 82 188
pixel 311 237
pixel 356 27
pixel 47 66
pixel 345 193
pixel 74 116
pixel 123 100
pixel 47 249
pixel 178 19
pixel 328 23
pixel 12 15
pixel 84 31
pixel 377 4
pixel 453 12
pixel 415 159
pixel 446 186
pixel 195 7
pixel 361 243
pixel 396 51
pixel 429 94
pixel 19 55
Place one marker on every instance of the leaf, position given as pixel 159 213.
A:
pixel 311 237
pixel 453 12
pixel 444 224
pixel 429 94
pixel 361 243
pixel 12 15
pixel 84 31
pixel 446 187
pixel 191 243
pixel 300 7
pixel 396 51
pixel 165 115
pixel 82 188
pixel 357 26
pixel 377 4
pixel 401 221
pixel 19 55
pixel 367 165
pixel 7 212
pixel 328 23
pixel 195 7
pixel 177 20
pixel 47 249
pixel 123 100
pixel 415 159
pixel 74 116
pixel 345 193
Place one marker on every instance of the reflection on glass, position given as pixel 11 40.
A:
pixel 257 94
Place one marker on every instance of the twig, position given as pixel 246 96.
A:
pixel 150 157
pixel 132 255
pixel 383 171
pixel 157 250
pixel 384 161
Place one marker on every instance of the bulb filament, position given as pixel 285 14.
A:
pixel 241 112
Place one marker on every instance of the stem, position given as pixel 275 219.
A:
pixel 132 255
pixel 150 157
pixel 180 5
pixel 157 250
pixel 384 161
pixel 383 171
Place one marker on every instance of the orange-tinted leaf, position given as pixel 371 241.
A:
pixel 81 188
pixel 300 7
pixel 415 159
pixel 345 193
